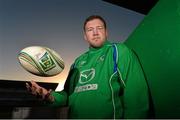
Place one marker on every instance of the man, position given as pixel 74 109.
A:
pixel 105 82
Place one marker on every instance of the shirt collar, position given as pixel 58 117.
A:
pixel 99 48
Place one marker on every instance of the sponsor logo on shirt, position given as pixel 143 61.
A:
pixel 102 58
pixel 82 63
pixel 86 87
pixel 86 75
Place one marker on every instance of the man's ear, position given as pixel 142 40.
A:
pixel 85 37
pixel 106 33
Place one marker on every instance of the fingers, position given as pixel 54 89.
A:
pixel 28 87
pixel 32 87
pixel 43 92
pixel 34 84
pixel 36 90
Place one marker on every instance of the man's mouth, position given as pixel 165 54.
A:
pixel 96 38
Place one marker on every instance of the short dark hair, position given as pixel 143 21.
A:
pixel 92 17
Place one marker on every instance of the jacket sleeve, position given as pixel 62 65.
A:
pixel 61 98
pixel 135 96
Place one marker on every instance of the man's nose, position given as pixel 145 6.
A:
pixel 95 32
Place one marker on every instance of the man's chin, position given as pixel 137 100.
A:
pixel 97 45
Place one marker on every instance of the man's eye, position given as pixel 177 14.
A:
pixel 89 30
pixel 100 27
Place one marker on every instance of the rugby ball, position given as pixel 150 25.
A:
pixel 41 61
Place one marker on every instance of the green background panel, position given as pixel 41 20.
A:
pixel 156 41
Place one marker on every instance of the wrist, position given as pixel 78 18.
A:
pixel 49 97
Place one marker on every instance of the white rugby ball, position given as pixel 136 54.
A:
pixel 41 61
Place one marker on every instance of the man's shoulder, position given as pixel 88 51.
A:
pixel 121 46
pixel 81 56
pixel 123 50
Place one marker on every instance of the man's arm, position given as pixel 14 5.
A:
pixel 135 97
pixel 61 98
pixel 50 97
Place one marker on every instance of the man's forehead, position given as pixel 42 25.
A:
pixel 94 22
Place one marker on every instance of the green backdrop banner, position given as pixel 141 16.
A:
pixel 156 41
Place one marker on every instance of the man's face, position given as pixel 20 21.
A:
pixel 95 33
